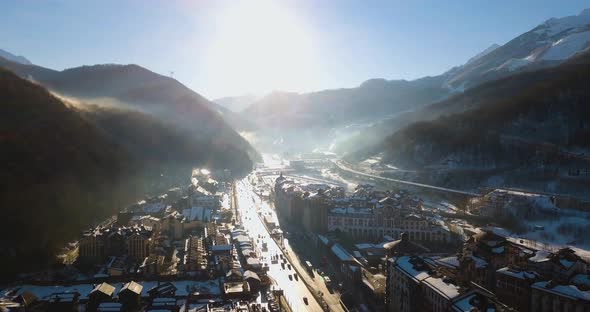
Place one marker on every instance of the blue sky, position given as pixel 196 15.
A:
pixel 222 48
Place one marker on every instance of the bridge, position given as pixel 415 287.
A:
pixel 405 184
pixel 273 171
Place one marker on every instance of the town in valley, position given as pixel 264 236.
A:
pixel 294 155
pixel 291 236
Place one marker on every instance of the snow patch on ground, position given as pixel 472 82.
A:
pixel 567 46
pixel 514 64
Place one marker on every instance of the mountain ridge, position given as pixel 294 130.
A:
pixel 560 37
pixel 83 162
pixel 15 58
pixel 139 88
pixel 502 128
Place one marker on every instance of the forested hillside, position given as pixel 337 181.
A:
pixel 65 167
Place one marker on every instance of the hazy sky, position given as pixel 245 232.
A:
pixel 221 48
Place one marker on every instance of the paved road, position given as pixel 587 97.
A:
pixel 343 167
pixel 294 290
pixel 315 281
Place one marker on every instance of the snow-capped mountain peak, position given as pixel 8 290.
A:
pixel 556 26
pixel 548 44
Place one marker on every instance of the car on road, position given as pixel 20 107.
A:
pixel 296 277
pixel 289 266
pixel 305 300
pixel 290 277
pixel 283 265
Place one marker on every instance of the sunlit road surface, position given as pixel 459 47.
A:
pixel 317 282
pixel 294 290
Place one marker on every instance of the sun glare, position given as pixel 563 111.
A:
pixel 259 46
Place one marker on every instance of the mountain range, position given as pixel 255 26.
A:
pixel 68 160
pixel 237 103
pixel 546 45
pixel 82 143
pixel 14 58
pixel 503 132
pixel 138 88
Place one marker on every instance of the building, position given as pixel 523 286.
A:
pixel 152 265
pixel 91 246
pixel 64 301
pixel 561 265
pixel 372 288
pixel 234 285
pixel 115 241
pixel 482 255
pixel 343 257
pixel 195 257
pixel 130 295
pixel 315 212
pixel 386 217
pixel 253 280
pixel 101 293
pixel 403 246
pixel 513 287
pixel 479 299
pixel 415 284
pixel 117 266
pixel 148 221
pixel 404 282
pixel 502 203
pixel 162 304
pixel 110 307
pixel 195 217
pixel 439 292
pixel 549 296
pixel 207 201
pixel 162 290
pixel 139 243
pixel 173 224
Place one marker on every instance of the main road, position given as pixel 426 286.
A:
pixel 294 289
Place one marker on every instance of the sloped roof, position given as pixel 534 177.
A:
pixel 250 274
pixel 133 287
pixel 388 201
pixel 104 288
pixel 404 245
pixel 234 273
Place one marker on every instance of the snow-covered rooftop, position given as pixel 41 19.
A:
pixel 518 273
pixel 570 291
pixel 479 262
pixel 350 210
pixel 540 256
pixel 408 268
pixel 197 213
pixel 581 279
pixel 452 262
pixel 183 288
pixel 341 253
pixel 444 287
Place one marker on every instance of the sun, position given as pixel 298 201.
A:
pixel 259 46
